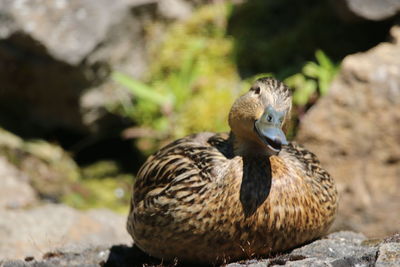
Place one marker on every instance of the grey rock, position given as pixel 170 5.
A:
pixel 354 131
pixel 69 30
pixel 389 255
pixel 312 262
pixel 34 165
pixel 55 54
pixel 252 263
pixel 50 227
pixel 336 245
pixel 15 190
pixel 175 9
pixel 90 257
pixel 338 249
pixel 52 52
pixel 367 9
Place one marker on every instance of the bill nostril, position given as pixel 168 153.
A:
pixel 278 141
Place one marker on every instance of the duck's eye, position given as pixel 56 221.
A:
pixel 256 90
pixel 269 118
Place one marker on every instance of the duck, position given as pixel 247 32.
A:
pixel 213 198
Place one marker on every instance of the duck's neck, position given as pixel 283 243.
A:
pixel 257 175
pixel 248 148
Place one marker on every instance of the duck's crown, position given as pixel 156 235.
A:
pixel 257 117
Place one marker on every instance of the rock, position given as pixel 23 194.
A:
pixel 46 167
pixel 52 52
pixel 175 9
pixel 351 10
pixel 15 190
pixel 354 132
pixel 49 227
pixel 55 54
pixel 388 255
pixel 69 30
pixel 95 256
pixel 337 249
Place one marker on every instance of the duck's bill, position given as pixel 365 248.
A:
pixel 272 136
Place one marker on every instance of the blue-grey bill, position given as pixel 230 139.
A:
pixel 272 136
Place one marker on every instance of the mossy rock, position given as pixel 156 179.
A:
pixel 50 169
pixel 193 68
pixel 102 185
pixel 281 36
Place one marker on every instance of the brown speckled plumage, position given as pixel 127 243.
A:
pixel 214 198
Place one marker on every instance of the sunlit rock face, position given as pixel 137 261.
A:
pixel 355 132
pixel 52 227
pixel 56 56
pixel 337 249
pixel 355 10
pixel 15 192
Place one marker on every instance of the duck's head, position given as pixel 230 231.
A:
pixel 257 117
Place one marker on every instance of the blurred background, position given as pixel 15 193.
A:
pixel 90 88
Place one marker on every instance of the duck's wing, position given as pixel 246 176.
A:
pixel 321 183
pixel 182 168
pixel 308 161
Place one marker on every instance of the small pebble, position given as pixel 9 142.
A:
pixel 29 258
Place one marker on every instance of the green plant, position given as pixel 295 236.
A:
pixel 149 102
pixel 314 79
pixel 102 184
pixel 193 77
pixel 157 103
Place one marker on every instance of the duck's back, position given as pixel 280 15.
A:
pixel 181 169
pixel 171 203
pixel 194 200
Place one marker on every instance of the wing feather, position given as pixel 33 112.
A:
pixel 186 165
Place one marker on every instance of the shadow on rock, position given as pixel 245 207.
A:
pixel 124 256
pixel 274 29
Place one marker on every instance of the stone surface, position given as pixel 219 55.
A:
pixel 49 227
pixel 15 190
pixel 95 256
pixel 337 249
pixel 388 255
pixel 355 132
pixel 342 248
pixel 69 30
pixel 367 9
pixel 44 166
pixel 54 54
pixel 56 57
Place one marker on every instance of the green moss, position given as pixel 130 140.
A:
pixel 112 193
pixel 313 80
pixel 193 77
pixel 50 169
pixel 207 87
pixel 10 140
pixel 193 80
pixel 103 185
pixel 281 36
pixel 101 169
pixel 194 72
pixel 55 157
